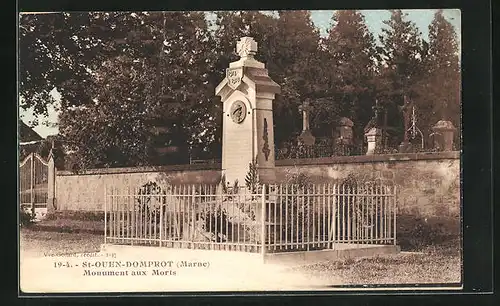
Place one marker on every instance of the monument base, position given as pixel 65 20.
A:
pixel 267 175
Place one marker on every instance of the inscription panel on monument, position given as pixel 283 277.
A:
pixel 234 77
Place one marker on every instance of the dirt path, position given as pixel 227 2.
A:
pixel 54 262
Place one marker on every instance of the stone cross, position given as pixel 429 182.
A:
pixel 377 108
pixel 305 108
pixel 406 117
pixel 246 47
pixel 306 137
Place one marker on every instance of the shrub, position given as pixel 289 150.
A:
pixel 415 233
pixel 25 218
pixel 252 181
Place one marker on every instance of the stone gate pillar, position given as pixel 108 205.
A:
pixel 51 184
pixel 247 95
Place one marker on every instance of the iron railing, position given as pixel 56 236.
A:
pixel 275 218
pixel 316 151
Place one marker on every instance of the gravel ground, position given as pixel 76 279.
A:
pixel 437 264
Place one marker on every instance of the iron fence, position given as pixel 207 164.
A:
pixel 275 218
pixel 317 151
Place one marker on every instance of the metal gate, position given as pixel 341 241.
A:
pixel 33 182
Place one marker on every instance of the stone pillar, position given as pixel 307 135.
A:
pixel 51 184
pixel 247 94
pixel 374 138
pixel 443 135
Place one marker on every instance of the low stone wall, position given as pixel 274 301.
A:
pixel 429 184
pixel 85 191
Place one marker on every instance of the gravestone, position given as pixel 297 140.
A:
pixel 373 131
pixel 247 93
pixel 374 139
pixel 405 109
pixel 344 131
pixel 444 132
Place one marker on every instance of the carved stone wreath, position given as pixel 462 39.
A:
pixel 238 111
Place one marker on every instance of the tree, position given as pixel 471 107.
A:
pixel 186 89
pixel 160 79
pixel 59 51
pixel 442 87
pixel 401 70
pixel 352 61
pixel 289 46
pixel 112 131
pixel 298 66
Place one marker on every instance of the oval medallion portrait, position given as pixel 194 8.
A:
pixel 238 111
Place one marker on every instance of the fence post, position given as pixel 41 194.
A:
pixel 395 211
pixel 32 185
pixel 105 213
pixel 51 184
pixel 161 219
pixel 263 223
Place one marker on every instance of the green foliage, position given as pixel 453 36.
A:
pixel 296 184
pixel 352 59
pixel 252 181
pixel 223 184
pixel 442 86
pixel 152 197
pixel 151 70
pixel 160 70
pixel 298 179
pixel 416 232
pixel 96 132
pixel 26 218
pixel 403 70
pixel 226 188
pixel 235 187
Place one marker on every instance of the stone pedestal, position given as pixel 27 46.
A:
pixel 374 139
pixel 306 138
pixel 443 135
pixel 247 94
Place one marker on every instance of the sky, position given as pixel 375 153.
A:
pixel 321 19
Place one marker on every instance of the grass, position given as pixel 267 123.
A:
pixel 71 222
pixel 41 242
pixel 438 264
pixel 64 233
pixel 70 226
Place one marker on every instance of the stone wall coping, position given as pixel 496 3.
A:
pixel 167 168
pixel 369 158
pixel 278 163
